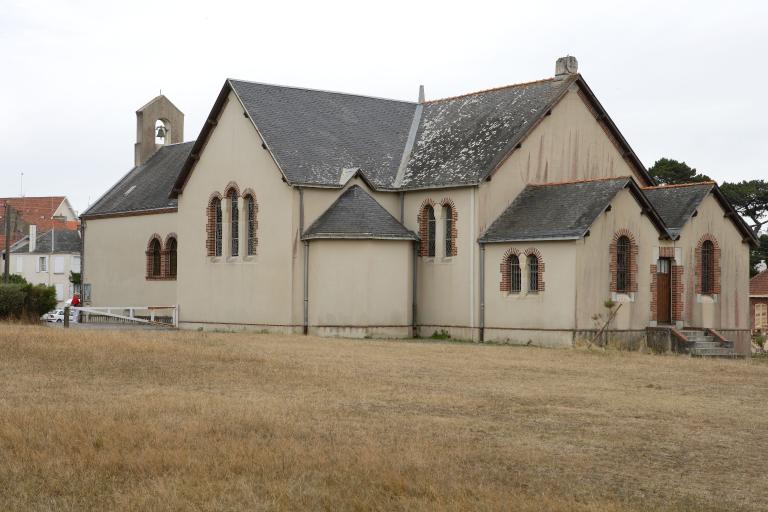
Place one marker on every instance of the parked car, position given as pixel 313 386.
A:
pixel 57 316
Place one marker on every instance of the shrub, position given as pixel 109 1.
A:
pixel 12 298
pixel 19 300
pixel 40 299
pixel 16 279
pixel 760 340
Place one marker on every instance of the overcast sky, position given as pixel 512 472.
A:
pixel 683 80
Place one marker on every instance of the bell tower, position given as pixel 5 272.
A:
pixel 158 123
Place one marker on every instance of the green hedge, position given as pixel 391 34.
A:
pixel 25 300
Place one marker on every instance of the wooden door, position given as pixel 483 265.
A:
pixel 663 291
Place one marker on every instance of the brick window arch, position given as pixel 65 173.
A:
pixel 213 244
pixel 251 210
pixel 427 228
pixel 170 254
pixel 708 266
pixel 450 218
pixel 624 252
pixel 535 270
pixel 511 273
pixel 154 258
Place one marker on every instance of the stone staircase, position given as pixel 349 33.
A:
pixel 701 343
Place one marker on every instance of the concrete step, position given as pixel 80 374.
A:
pixel 693 333
pixel 713 352
pixel 707 344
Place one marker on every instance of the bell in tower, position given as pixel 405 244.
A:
pixel 158 123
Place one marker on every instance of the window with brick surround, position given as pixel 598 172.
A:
pixel 154 259
pixel 707 267
pixel 250 211
pixel 214 227
pixel 431 230
pixel 448 219
pixel 515 275
pixel 171 256
pixel 623 264
pixel 234 224
pixel 533 273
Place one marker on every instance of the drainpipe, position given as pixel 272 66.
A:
pixel 402 207
pixel 306 287
pixel 482 292
pixel 306 262
pixel 415 260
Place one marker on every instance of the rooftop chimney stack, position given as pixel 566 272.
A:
pixel 32 238
pixel 566 66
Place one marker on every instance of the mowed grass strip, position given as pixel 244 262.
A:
pixel 142 420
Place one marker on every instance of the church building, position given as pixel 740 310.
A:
pixel 509 215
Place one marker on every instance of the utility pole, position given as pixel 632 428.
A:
pixel 7 266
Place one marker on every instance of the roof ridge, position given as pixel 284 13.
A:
pixel 322 90
pixel 680 185
pixel 493 89
pixel 585 180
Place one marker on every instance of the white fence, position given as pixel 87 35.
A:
pixel 167 316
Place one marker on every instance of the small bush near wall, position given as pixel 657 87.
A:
pixel 26 301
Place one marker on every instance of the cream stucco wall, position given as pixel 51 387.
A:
pixel 447 285
pixel 593 267
pixel 358 285
pixel 729 309
pixel 250 291
pixel 115 260
pixel 569 144
pixel 514 317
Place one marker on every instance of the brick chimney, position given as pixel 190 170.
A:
pixel 566 66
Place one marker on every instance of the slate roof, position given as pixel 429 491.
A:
pixel 559 211
pixel 758 285
pixel 461 140
pixel 357 215
pixel 314 134
pixel 65 241
pixel 146 187
pixel 676 203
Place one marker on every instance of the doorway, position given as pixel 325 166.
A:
pixel 664 291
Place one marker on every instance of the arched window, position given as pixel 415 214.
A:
pixel 250 211
pixel 448 218
pixel 234 223
pixel 154 259
pixel 431 225
pixel 623 264
pixel 707 267
pixel 170 249
pixel 533 274
pixel 213 243
pixel 515 278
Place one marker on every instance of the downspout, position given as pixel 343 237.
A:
pixel 82 259
pixel 306 287
pixel 305 322
pixel 402 207
pixel 482 292
pixel 415 260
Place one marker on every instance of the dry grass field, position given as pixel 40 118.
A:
pixel 141 420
